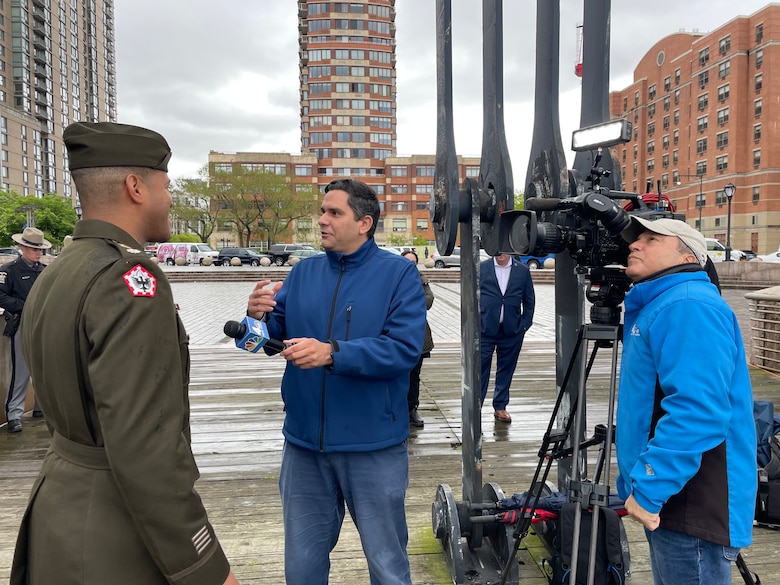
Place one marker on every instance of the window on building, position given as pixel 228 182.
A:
pixel 704 79
pixel 666 122
pixel 756 193
pixel 704 56
pixel 759 32
pixel 665 180
pixel 759 83
pixel 625 104
pixel 704 100
pixel 724 45
pixel 399 189
pixel 722 162
pixel 758 106
pixel 759 58
pixel 636 150
pixel 651 128
pixel 665 141
pixel 399 223
pixel 651 92
pixel 677 76
pixel 702 123
pixel 422 224
pixel 701 167
pixel 723 92
pixel 667 103
pixel 757 132
pixel 651 110
pixel 425 170
pixel 676 136
pixel 665 161
pixel 303 170
pixel 722 139
pixel 675 156
pixel 667 84
pixel 472 171
pixel 636 98
pixel 757 157
pixel 724 69
pixel 399 171
pixel 701 146
pixel 651 147
pixel 650 165
pixel 422 189
pixel 723 116
pixel 676 117
pixel 676 97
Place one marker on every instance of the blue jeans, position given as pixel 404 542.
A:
pixel 682 559
pixel 315 486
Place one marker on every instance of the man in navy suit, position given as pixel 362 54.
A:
pixel 506 307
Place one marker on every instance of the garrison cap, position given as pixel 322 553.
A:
pixel 106 144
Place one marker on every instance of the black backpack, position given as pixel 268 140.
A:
pixel 610 564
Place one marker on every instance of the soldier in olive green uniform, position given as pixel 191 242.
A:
pixel 115 500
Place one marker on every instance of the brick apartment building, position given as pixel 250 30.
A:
pixel 704 110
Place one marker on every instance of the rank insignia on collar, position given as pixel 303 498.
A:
pixel 140 281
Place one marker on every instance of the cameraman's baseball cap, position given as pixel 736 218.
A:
pixel 107 144
pixel 689 236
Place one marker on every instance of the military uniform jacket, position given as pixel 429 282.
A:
pixel 115 499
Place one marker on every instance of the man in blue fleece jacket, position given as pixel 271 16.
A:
pixel 686 444
pixel 354 319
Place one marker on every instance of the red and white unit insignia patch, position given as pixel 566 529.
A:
pixel 140 281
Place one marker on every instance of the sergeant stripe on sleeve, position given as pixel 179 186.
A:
pixel 202 540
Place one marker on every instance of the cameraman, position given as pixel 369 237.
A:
pixel 686 444
pixel 16 280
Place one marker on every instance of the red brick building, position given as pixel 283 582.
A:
pixel 705 112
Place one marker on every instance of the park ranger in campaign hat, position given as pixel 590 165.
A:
pixel 115 499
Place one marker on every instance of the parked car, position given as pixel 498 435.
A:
pixel 454 259
pixel 771 257
pixel 717 251
pixel 246 255
pixel 10 252
pixel 279 253
pixel 301 254
pixel 534 262
pixel 748 255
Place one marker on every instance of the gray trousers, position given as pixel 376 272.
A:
pixel 20 379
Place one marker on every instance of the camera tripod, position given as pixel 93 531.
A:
pixel 606 290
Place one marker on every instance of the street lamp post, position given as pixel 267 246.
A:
pixel 729 190
pixel 699 200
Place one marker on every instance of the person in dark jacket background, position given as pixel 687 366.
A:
pixel 685 434
pixel 16 280
pixel 506 308
pixel 354 320
pixel 413 396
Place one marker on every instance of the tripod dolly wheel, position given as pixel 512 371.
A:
pixel 446 527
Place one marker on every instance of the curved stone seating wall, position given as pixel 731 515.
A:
pixel 765 328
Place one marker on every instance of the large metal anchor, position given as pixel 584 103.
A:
pixel 478 542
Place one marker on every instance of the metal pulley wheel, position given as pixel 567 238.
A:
pixel 446 527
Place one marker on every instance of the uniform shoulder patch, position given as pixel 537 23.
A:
pixel 140 281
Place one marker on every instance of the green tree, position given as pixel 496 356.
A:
pixel 419 240
pixel 397 240
pixel 53 215
pixel 262 201
pixel 193 208
pixel 519 200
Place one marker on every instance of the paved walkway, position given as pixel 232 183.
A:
pixel 206 306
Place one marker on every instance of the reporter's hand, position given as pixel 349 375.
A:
pixel 306 352
pixel 638 513
pixel 261 299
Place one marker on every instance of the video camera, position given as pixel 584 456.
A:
pixel 588 224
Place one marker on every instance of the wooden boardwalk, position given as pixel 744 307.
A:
pixel 236 420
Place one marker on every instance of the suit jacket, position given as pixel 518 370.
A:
pixel 518 300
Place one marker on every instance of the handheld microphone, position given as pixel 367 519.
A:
pixel 251 335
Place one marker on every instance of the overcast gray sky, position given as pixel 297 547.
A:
pixel 224 75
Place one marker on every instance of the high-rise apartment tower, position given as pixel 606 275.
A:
pixel 347 86
pixel 57 66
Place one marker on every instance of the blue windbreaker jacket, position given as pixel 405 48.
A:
pixel 697 467
pixel 370 305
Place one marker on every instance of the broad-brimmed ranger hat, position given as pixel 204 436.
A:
pixel 107 144
pixel 32 238
pixel 689 236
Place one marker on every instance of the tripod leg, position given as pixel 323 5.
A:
pixel 748 576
